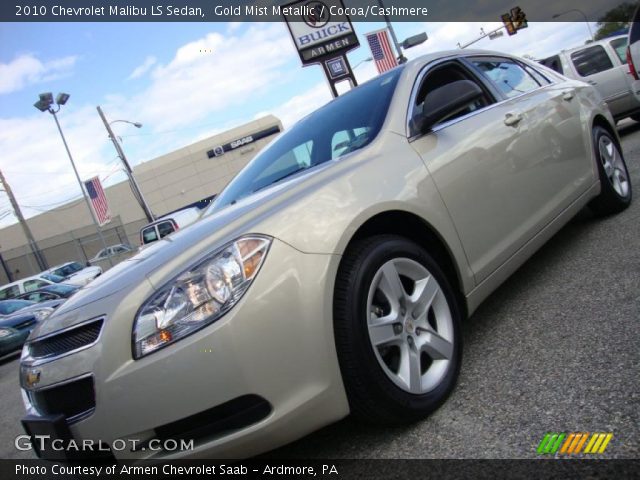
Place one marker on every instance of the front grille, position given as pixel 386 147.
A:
pixel 25 324
pixel 71 399
pixel 67 341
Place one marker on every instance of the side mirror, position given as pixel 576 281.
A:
pixel 443 102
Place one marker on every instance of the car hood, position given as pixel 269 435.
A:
pixel 86 272
pixel 162 260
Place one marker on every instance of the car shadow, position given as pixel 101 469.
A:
pixel 9 357
pixel 627 128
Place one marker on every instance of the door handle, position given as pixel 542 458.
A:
pixel 512 119
pixel 591 82
pixel 568 96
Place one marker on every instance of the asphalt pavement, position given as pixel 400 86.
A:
pixel 555 349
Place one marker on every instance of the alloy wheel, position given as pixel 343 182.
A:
pixel 410 325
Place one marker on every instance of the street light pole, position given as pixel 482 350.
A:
pixel 137 193
pixel 42 262
pixel 84 193
pixel 583 16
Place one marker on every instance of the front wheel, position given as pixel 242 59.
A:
pixel 397 329
pixel 615 194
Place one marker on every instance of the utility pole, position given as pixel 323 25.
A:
pixel 42 263
pixel 137 193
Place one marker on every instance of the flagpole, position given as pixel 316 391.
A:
pixel 84 192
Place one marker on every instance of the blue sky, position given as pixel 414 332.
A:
pixel 184 82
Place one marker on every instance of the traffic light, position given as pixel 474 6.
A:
pixel 508 24
pixel 518 18
pixel 514 21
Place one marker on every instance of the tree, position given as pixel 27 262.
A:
pixel 617 18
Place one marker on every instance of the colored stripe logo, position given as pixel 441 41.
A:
pixel 573 443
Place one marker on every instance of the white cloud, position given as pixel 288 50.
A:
pixel 140 70
pixel 239 69
pixel 27 70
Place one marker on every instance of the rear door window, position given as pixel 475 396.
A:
pixel 591 60
pixel 9 292
pixel 511 78
pixel 554 63
pixel 149 235
pixel 620 47
pixel 165 228
pixel 31 285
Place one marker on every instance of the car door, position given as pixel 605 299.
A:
pixel 598 67
pixel 498 180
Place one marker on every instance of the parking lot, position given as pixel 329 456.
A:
pixel 555 349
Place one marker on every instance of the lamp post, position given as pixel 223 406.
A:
pixel 137 193
pixel 401 57
pixel 583 16
pixel 45 104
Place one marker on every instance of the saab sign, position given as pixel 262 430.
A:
pixel 316 33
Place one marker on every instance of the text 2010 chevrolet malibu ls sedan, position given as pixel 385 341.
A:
pixel 332 274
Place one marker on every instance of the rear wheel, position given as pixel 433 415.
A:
pixel 397 328
pixel 615 193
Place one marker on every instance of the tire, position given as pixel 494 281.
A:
pixel 615 194
pixel 378 379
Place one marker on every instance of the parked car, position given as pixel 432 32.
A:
pixel 112 251
pixel 12 339
pixel 18 318
pixel 50 292
pixel 75 273
pixel 168 224
pixel 324 281
pixel 603 64
pixel 14 289
pixel 633 46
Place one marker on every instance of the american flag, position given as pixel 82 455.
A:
pixel 98 200
pixel 381 50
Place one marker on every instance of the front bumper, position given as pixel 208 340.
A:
pixel 276 344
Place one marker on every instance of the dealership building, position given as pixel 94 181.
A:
pixel 188 176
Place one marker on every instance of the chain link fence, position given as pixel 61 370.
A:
pixel 79 245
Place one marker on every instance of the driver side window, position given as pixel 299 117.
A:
pixel 440 76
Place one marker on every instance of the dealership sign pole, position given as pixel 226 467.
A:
pixel 322 34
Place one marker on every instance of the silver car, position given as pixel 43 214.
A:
pixel 603 64
pixel 332 275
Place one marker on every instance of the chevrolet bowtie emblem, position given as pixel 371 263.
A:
pixel 32 377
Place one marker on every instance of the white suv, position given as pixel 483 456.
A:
pixel 603 64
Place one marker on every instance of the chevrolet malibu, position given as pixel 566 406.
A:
pixel 332 274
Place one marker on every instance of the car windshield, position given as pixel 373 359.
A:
pixel 68 269
pixel 10 306
pixel 52 277
pixel 344 125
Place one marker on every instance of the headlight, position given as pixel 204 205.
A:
pixel 198 296
pixel 42 313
